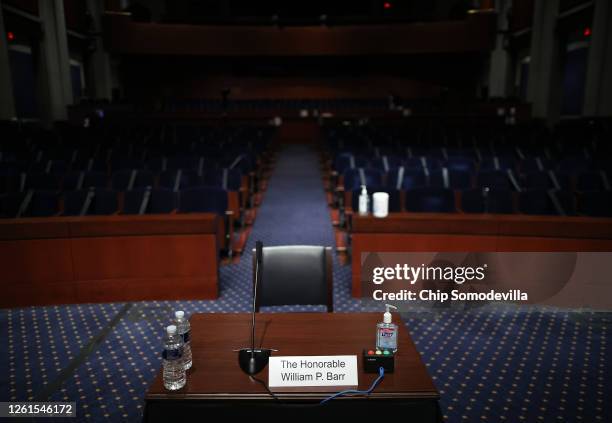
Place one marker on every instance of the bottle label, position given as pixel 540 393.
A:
pixel 387 338
pixel 173 354
pixel 186 336
pixel 386 332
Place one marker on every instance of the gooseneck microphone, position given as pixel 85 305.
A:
pixel 251 360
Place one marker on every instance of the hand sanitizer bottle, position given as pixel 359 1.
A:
pixel 363 201
pixel 386 332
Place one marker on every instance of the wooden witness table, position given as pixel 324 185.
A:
pixel 216 382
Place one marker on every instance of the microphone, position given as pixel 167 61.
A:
pixel 251 360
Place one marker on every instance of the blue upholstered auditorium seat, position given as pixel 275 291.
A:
pixel 354 178
pixel 43 204
pixel 493 201
pixel 188 179
pixel 346 161
pixel 430 200
pixel 537 180
pixel 542 202
pixel 495 180
pixel 11 182
pixel 157 164
pixel 571 165
pixel 90 164
pixel 160 201
pixel 591 181
pixel 10 203
pixel 534 164
pixel 496 163
pixel 42 181
pixel 410 179
pixel 104 202
pixel 458 180
pixel 228 179
pixel 56 167
pixel 203 199
pixel 125 163
pixel 183 162
pixel 83 180
pixel 120 180
pixel 460 164
pixel 595 203
pixel 386 163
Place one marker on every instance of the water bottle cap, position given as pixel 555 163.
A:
pixel 179 314
pixel 171 330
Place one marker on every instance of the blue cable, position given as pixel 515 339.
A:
pixel 381 375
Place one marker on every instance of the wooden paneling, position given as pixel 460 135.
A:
pixel 432 232
pixel 110 258
pixel 122 36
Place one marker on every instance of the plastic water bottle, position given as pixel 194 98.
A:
pixel 172 359
pixel 184 330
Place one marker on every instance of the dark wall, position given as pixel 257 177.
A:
pixel 420 76
pixel 574 77
pixel 22 74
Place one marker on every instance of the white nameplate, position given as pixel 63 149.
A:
pixel 313 370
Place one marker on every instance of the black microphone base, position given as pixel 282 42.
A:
pixel 253 363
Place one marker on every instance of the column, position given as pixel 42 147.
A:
pixel 7 105
pixel 500 69
pixel 99 78
pixel 544 87
pixel 53 63
pixel 598 84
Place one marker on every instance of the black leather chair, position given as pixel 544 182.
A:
pixel 295 274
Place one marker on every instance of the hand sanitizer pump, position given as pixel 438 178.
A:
pixel 386 332
pixel 363 201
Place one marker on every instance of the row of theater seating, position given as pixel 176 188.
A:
pixel 473 170
pixel 132 169
pixel 96 201
pixel 410 178
pixel 99 202
pixel 176 179
pixel 464 161
pixel 530 202
pixel 217 105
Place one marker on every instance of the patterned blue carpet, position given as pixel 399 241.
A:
pixel 491 364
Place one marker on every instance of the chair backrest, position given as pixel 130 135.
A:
pixel 354 178
pixel 451 179
pixel 595 203
pixel 95 179
pixel 42 181
pixel 104 202
pixel 537 180
pixel 494 180
pixel 43 204
pixel 228 179
pixel 189 179
pixel 10 203
pixel 203 200
pixel 438 200
pixel 295 275
pixel 461 164
pixel 160 201
pixel 73 202
pixel 495 201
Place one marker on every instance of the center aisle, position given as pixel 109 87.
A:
pixel 293 212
